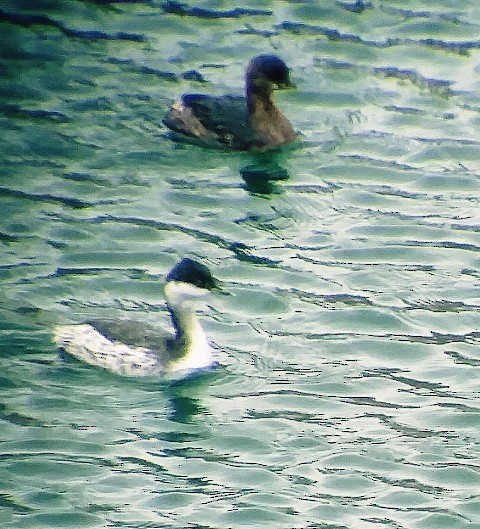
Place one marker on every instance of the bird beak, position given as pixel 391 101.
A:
pixel 219 288
pixel 286 85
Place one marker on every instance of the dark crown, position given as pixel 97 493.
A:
pixel 189 271
pixel 272 67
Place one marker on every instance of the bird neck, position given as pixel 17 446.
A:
pixel 259 96
pixel 191 348
pixel 270 127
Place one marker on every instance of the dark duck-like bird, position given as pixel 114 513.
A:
pixel 241 123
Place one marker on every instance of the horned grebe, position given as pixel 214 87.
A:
pixel 131 348
pixel 239 123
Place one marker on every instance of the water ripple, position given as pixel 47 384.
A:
pixel 335 34
pixel 179 8
pixel 439 86
pixel 27 20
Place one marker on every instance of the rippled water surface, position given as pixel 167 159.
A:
pixel 348 390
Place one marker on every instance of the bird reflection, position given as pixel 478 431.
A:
pixel 266 169
pixel 184 409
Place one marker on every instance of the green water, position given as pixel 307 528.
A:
pixel 347 396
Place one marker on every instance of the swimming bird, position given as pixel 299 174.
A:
pixel 241 123
pixel 132 348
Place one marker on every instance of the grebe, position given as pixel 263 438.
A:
pixel 235 122
pixel 131 348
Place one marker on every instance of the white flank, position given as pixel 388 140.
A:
pixel 87 344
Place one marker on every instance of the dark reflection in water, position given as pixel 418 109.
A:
pixel 266 169
pixel 184 406
pixel 184 409
pixel 259 179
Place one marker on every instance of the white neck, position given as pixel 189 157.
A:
pixel 196 352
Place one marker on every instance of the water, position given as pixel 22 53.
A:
pixel 347 395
